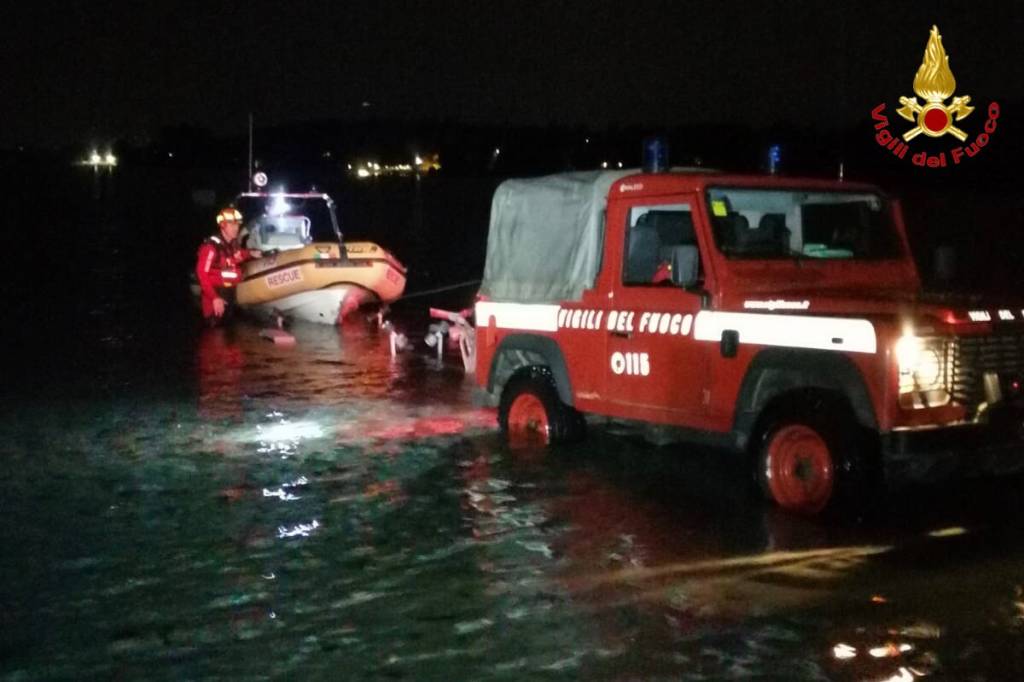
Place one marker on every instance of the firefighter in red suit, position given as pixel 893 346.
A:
pixel 217 264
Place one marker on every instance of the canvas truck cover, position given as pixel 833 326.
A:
pixel 546 236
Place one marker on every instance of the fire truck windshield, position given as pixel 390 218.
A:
pixel 762 224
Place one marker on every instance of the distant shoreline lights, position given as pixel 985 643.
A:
pixel 96 160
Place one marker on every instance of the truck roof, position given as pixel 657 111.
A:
pixel 546 234
pixel 699 179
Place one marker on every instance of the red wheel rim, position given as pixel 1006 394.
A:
pixel 528 421
pixel 799 469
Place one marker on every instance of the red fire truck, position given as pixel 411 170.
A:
pixel 777 317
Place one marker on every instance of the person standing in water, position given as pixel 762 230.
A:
pixel 217 265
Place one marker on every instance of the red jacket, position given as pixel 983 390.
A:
pixel 217 266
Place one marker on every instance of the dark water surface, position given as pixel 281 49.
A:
pixel 187 504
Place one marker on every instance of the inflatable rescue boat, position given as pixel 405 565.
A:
pixel 307 271
pixel 320 282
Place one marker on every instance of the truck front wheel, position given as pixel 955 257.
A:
pixel 531 414
pixel 810 457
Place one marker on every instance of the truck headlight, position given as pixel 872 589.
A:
pixel 923 371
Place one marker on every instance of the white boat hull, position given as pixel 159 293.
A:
pixel 321 306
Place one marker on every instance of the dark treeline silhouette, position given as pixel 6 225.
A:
pixel 322 147
pixel 173 182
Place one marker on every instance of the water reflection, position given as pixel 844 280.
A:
pixel 298 530
pixel 219 365
pixel 303 510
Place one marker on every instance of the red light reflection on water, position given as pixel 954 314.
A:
pixel 407 429
pixel 219 365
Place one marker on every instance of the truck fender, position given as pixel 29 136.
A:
pixel 523 350
pixel 775 371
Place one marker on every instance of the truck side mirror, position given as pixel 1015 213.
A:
pixel 685 261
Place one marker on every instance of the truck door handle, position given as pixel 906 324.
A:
pixel 623 335
pixel 730 343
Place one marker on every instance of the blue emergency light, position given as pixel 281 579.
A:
pixel 655 155
pixel 774 158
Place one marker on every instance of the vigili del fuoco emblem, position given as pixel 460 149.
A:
pixel 934 83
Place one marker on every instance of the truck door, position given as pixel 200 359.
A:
pixel 654 369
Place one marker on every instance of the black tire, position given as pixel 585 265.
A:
pixel 564 424
pixel 797 438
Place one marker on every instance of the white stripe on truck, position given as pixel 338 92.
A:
pixel 790 331
pixel 763 329
pixel 535 317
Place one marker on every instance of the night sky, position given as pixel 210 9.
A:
pixel 82 72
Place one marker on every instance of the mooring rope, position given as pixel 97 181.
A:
pixel 438 290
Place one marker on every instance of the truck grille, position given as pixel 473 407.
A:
pixel 973 356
